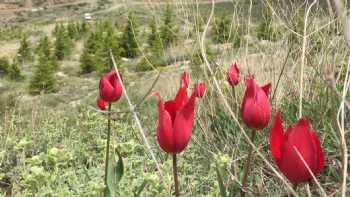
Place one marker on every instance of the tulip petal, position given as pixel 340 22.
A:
pixel 320 154
pixel 300 137
pixel 276 138
pixel 199 89
pixel 185 80
pixel 183 124
pixel 292 166
pixel 266 88
pixel 165 134
pixel 110 87
pixel 232 74
pixel 101 104
pixel 173 106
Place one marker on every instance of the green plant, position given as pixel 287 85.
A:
pixel 265 30
pixel 168 31
pixel 24 51
pixel 63 43
pixel 4 64
pixel 128 44
pixel 14 71
pixel 43 78
pixel 222 29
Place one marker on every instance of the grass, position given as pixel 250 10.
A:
pixel 53 144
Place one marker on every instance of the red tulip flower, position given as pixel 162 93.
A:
pixel 200 89
pixel 175 119
pixel 101 104
pixel 110 87
pixel 287 148
pixel 233 74
pixel 256 107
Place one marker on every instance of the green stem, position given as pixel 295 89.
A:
pixel 247 165
pixel 177 193
pixel 108 142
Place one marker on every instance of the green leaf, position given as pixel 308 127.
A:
pixel 140 189
pixel 114 175
pixel 221 183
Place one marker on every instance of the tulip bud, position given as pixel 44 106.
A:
pixel 101 104
pixel 233 74
pixel 287 148
pixel 110 87
pixel 256 107
pixel 199 89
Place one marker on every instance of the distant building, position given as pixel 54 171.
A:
pixel 87 16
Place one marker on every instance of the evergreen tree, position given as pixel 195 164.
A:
pixel 264 29
pixel 88 59
pixel 63 44
pixel 72 31
pixel 43 79
pixel 4 64
pixel 14 71
pixel 222 29
pixel 24 53
pixel 154 40
pixel 128 42
pixel 168 31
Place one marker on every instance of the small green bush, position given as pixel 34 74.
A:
pixel 4 64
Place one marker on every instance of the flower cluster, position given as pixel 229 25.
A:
pixel 297 152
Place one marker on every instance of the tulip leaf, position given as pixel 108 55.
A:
pixel 114 174
pixel 220 181
pixel 140 189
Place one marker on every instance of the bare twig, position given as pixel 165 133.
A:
pixel 303 58
pixel 138 122
pixel 281 73
pixel 341 131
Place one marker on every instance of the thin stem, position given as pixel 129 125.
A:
pixel 108 142
pixel 295 187
pixel 235 100
pixel 247 164
pixel 176 182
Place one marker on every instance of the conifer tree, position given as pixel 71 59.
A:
pixel 14 71
pixel 264 29
pixel 168 31
pixel 43 79
pixel 83 27
pixel 24 53
pixel 128 42
pixel 88 59
pixel 63 43
pixel 222 29
pixel 154 40
pixel 4 64
pixel 72 31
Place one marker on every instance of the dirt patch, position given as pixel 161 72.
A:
pixel 8 49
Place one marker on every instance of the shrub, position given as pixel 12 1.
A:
pixel 14 71
pixel 4 64
pixel 24 52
